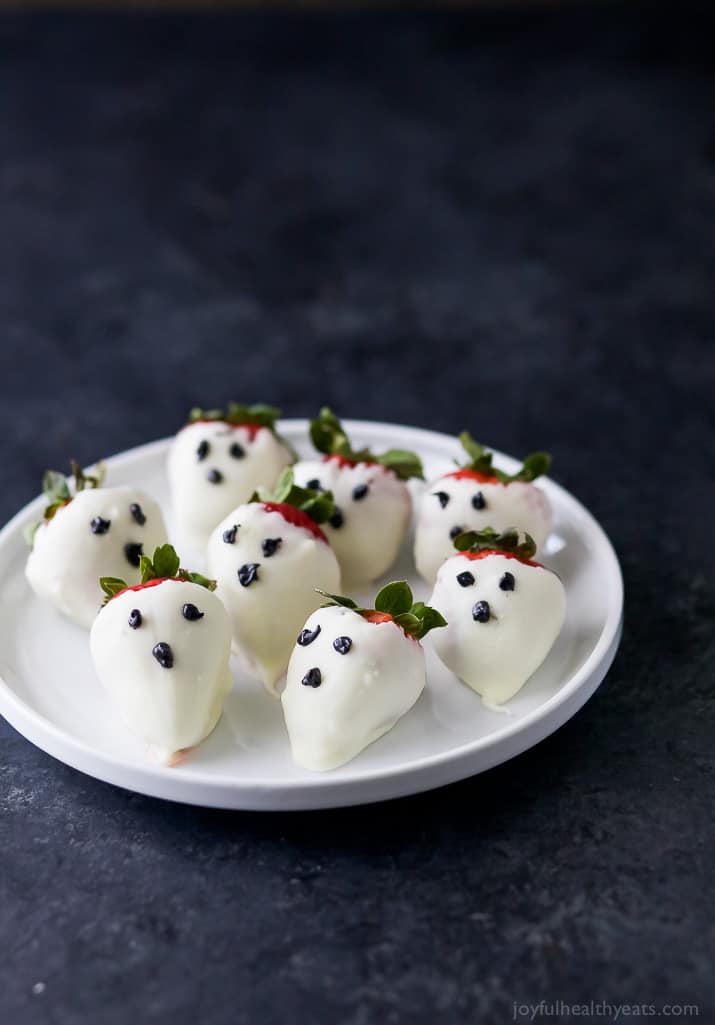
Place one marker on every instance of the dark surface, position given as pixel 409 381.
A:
pixel 504 222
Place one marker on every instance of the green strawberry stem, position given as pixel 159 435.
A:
pixel 535 465
pixel 395 600
pixel 258 415
pixel 239 415
pixel 490 539
pixel 329 437
pixel 57 492
pixel 164 565
pixel 319 505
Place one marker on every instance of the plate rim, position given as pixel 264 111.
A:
pixel 327 790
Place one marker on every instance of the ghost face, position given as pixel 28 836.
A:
pixel 101 532
pixel 372 513
pixel 503 617
pixel 460 502
pixel 213 467
pixel 349 681
pixel 267 570
pixel 162 654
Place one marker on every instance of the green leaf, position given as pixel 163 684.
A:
pixel 394 598
pixel 430 619
pixel 198 578
pixel 317 504
pixel 490 539
pixel 404 464
pixel 85 481
pixel 52 509
pixel 146 569
pixel 166 561
pixel 55 487
pixel 480 458
pixel 163 565
pixel 29 532
pixel 111 586
pixel 329 437
pixel 338 599
pixel 239 415
pixel 535 465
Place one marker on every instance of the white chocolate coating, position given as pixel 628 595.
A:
pixel 175 708
pixel 200 504
pixel 361 695
pixel 267 615
pixel 373 527
pixel 67 558
pixel 520 505
pixel 496 658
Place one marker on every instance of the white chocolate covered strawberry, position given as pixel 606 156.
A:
pixel 268 557
pixel 89 531
pixel 161 650
pixel 372 503
pixel 504 612
pixel 353 674
pixel 476 496
pixel 218 460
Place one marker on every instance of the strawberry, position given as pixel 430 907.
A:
pixel 218 460
pixel 372 503
pixel 268 557
pixel 505 612
pixel 85 531
pixel 161 649
pixel 354 673
pixel 475 496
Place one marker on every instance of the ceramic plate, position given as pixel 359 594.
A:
pixel 50 694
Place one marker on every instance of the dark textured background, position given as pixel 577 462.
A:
pixel 500 221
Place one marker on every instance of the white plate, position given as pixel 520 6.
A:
pixel 49 692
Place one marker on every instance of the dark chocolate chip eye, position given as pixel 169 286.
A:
pixel 138 513
pixel 359 492
pixel 337 519
pixel 163 654
pixel 214 476
pixel 307 636
pixel 455 532
pixel 203 450
pixel 133 553
pixel 313 678
pixel 99 526
pixel 135 619
pixel 507 582
pixel 342 645
pixel 270 545
pixel 248 573
pixel 229 536
pixel 465 579
pixel 191 613
pixel 479 501
pixel 481 612
pixel 237 451
pixel 442 497
pixel 314 484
